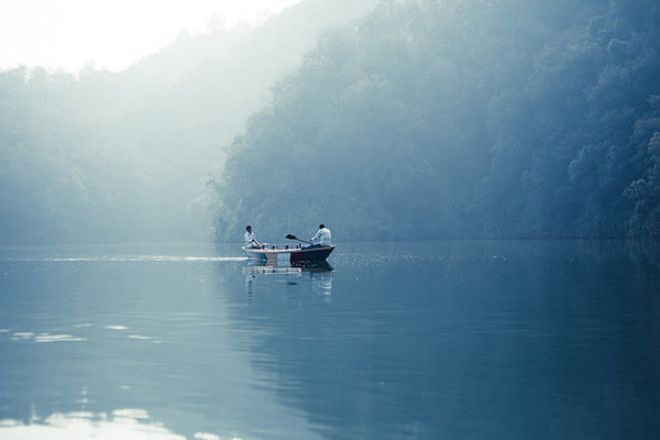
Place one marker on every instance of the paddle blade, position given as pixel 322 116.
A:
pixel 291 237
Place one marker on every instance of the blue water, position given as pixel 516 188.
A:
pixel 456 340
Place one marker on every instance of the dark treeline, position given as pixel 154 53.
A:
pixel 108 157
pixel 461 119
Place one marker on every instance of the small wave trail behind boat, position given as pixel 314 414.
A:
pixel 131 258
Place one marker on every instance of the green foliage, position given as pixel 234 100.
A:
pixel 448 119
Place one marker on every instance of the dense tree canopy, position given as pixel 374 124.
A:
pixel 447 119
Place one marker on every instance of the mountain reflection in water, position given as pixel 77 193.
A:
pixel 497 339
pixel 124 424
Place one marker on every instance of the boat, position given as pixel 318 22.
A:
pixel 294 255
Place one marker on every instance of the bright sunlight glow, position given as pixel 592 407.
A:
pixel 112 34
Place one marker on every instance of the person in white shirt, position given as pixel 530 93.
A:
pixel 250 239
pixel 323 237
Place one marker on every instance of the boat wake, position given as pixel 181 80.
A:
pixel 132 258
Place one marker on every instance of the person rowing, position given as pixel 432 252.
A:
pixel 322 238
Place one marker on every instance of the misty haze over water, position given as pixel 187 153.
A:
pixel 490 171
pixel 127 156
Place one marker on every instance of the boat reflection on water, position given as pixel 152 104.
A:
pixel 270 275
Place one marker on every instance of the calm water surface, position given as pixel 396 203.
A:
pixel 456 340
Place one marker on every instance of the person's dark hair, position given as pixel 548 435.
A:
pixel 321 226
pixel 248 228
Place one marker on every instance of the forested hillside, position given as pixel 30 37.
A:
pixel 460 119
pixel 107 157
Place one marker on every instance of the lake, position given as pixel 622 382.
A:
pixel 456 340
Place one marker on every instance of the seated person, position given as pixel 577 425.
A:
pixel 322 238
pixel 249 239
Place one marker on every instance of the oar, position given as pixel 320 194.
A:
pixel 293 237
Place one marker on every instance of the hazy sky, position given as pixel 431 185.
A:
pixel 68 34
